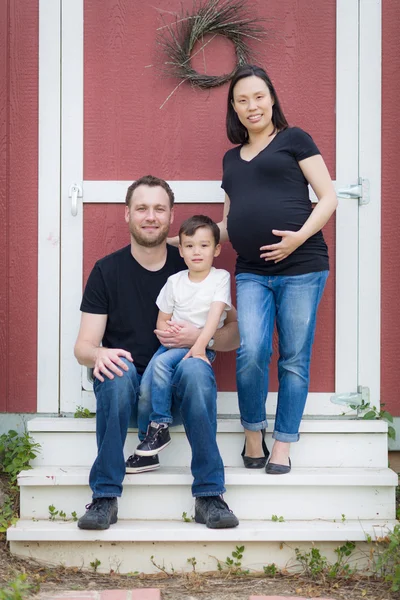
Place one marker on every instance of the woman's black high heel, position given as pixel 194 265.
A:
pixel 256 463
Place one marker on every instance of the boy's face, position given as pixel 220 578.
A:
pixel 198 251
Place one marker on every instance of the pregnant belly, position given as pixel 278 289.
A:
pixel 248 232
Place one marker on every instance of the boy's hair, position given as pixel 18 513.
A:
pixel 191 225
pixel 150 181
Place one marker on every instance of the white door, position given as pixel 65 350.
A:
pixel 110 111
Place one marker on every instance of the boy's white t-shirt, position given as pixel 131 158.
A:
pixel 189 301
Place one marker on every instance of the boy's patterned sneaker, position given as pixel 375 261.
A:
pixel 157 438
pixel 140 464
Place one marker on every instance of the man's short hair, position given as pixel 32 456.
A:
pixel 150 181
pixel 191 225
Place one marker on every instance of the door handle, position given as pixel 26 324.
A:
pixel 74 192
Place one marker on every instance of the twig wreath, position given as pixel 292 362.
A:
pixel 228 18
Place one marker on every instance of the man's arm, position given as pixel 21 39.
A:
pixel 225 339
pixel 88 352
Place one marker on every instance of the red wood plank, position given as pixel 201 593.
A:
pixel 4 95
pixel 21 203
pixel 390 319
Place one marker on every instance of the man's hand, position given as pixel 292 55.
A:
pixel 108 362
pixel 185 337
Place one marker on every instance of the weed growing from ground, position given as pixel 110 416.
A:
pixel 83 413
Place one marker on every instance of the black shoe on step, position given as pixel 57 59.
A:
pixel 214 512
pixel 100 514
pixel 157 438
pixel 256 463
pixel 140 464
pixel 275 469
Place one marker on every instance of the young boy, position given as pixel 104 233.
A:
pixel 200 295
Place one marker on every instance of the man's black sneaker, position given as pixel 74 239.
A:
pixel 157 438
pixel 214 512
pixel 100 514
pixel 139 464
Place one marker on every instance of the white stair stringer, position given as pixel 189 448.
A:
pixel 127 547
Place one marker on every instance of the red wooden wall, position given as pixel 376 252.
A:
pixel 18 203
pixel 18 190
pixel 390 265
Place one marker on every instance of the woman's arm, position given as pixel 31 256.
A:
pixel 317 174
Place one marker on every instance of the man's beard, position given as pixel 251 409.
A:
pixel 146 242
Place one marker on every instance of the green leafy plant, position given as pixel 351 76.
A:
pixel 388 559
pixel 368 412
pixel 53 513
pixel 83 413
pixel 343 518
pixel 187 519
pixel 18 589
pixel 316 566
pixel 16 452
pixel 192 561
pixel 233 563
pixel 8 514
pixel 277 519
pixel 270 570
pixel 95 564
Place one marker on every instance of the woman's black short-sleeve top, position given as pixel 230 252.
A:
pixel 271 192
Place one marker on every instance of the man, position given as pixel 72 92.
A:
pixel 117 339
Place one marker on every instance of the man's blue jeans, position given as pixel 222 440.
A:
pixel 162 368
pixel 125 401
pixel 291 301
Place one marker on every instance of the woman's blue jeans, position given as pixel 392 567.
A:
pixel 125 402
pixel 292 302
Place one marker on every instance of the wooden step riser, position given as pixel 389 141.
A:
pixel 313 449
pixel 248 501
pixel 131 557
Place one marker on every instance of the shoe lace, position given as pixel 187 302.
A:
pixel 96 505
pixel 218 502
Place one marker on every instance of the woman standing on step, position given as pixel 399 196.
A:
pixel 282 263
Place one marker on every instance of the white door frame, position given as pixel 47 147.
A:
pixel 358 87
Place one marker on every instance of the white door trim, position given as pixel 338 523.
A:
pixel 369 302
pixel 348 297
pixel 48 323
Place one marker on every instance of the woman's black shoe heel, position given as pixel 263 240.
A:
pixel 274 469
pixel 256 463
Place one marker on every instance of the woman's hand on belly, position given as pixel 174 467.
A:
pixel 290 241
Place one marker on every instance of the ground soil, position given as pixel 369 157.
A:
pixel 193 586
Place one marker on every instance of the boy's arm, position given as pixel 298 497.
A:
pixel 162 320
pixel 198 350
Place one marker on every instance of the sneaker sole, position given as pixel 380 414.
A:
pixel 151 452
pixel 142 469
pixel 92 526
pixel 225 524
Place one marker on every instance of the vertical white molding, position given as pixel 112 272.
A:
pixel 370 214
pixel 71 172
pixel 347 213
pixel 49 207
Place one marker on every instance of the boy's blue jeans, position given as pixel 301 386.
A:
pixel 158 375
pixel 291 302
pixel 125 402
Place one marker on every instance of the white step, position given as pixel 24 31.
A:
pixel 303 494
pixel 324 443
pixel 128 545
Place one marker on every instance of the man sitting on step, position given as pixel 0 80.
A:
pixel 117 338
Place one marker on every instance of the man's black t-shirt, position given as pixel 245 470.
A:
pixel 271 192
pixel 121 288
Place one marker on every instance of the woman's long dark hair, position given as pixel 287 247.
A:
pixel 236 132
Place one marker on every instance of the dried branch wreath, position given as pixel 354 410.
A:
pixel 228 18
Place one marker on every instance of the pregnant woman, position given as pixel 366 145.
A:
pixel 282 263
